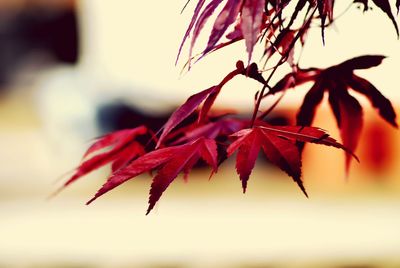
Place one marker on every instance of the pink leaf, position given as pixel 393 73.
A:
pixel 225 18
pixel 189 29
pixel 252 15
pixel 207 12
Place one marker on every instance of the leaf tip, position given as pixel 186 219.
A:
pixel 304 191
pixel 301 185
pixel 212 174
pixel 149 209
pixel 91 200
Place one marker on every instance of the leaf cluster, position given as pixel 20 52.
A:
pixel 281 26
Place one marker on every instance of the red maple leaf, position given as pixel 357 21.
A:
pixel 279 146
pixel 168 162
pixel 123 149
pixel 215 138
pixel 336 80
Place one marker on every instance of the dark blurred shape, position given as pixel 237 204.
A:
pixel 378 151
pixel 47 30
pixel 278 118
pixel 118 115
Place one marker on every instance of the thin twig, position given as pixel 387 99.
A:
pixel 281 61
pixel 184 7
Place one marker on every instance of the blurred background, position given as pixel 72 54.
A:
pixel 71 70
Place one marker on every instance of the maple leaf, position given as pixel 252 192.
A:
pixel 123 149
pixel 279 146
pixel 169 162
pixel 212 139
pixel 336 80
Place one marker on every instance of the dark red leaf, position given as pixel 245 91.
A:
pixel 208 103
pixel 279 146
pixel 126 155
pixel 208 152
pixel 168 173
pixel 283 42
pixel 361 62
pixel 299 6
pixel 297 78
pixel 376 98
pixel 189 166
pixel 310 103
pixel 115 137
pixel 141 165
pixel 348 115
pixel 123 145
pixel 177 163
pixel 351 124
pixel 306 134
pixel 169 162
pixel 247 147
pixel 336 80
pixel 285 155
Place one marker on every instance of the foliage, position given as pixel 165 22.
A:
pixel 281 26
